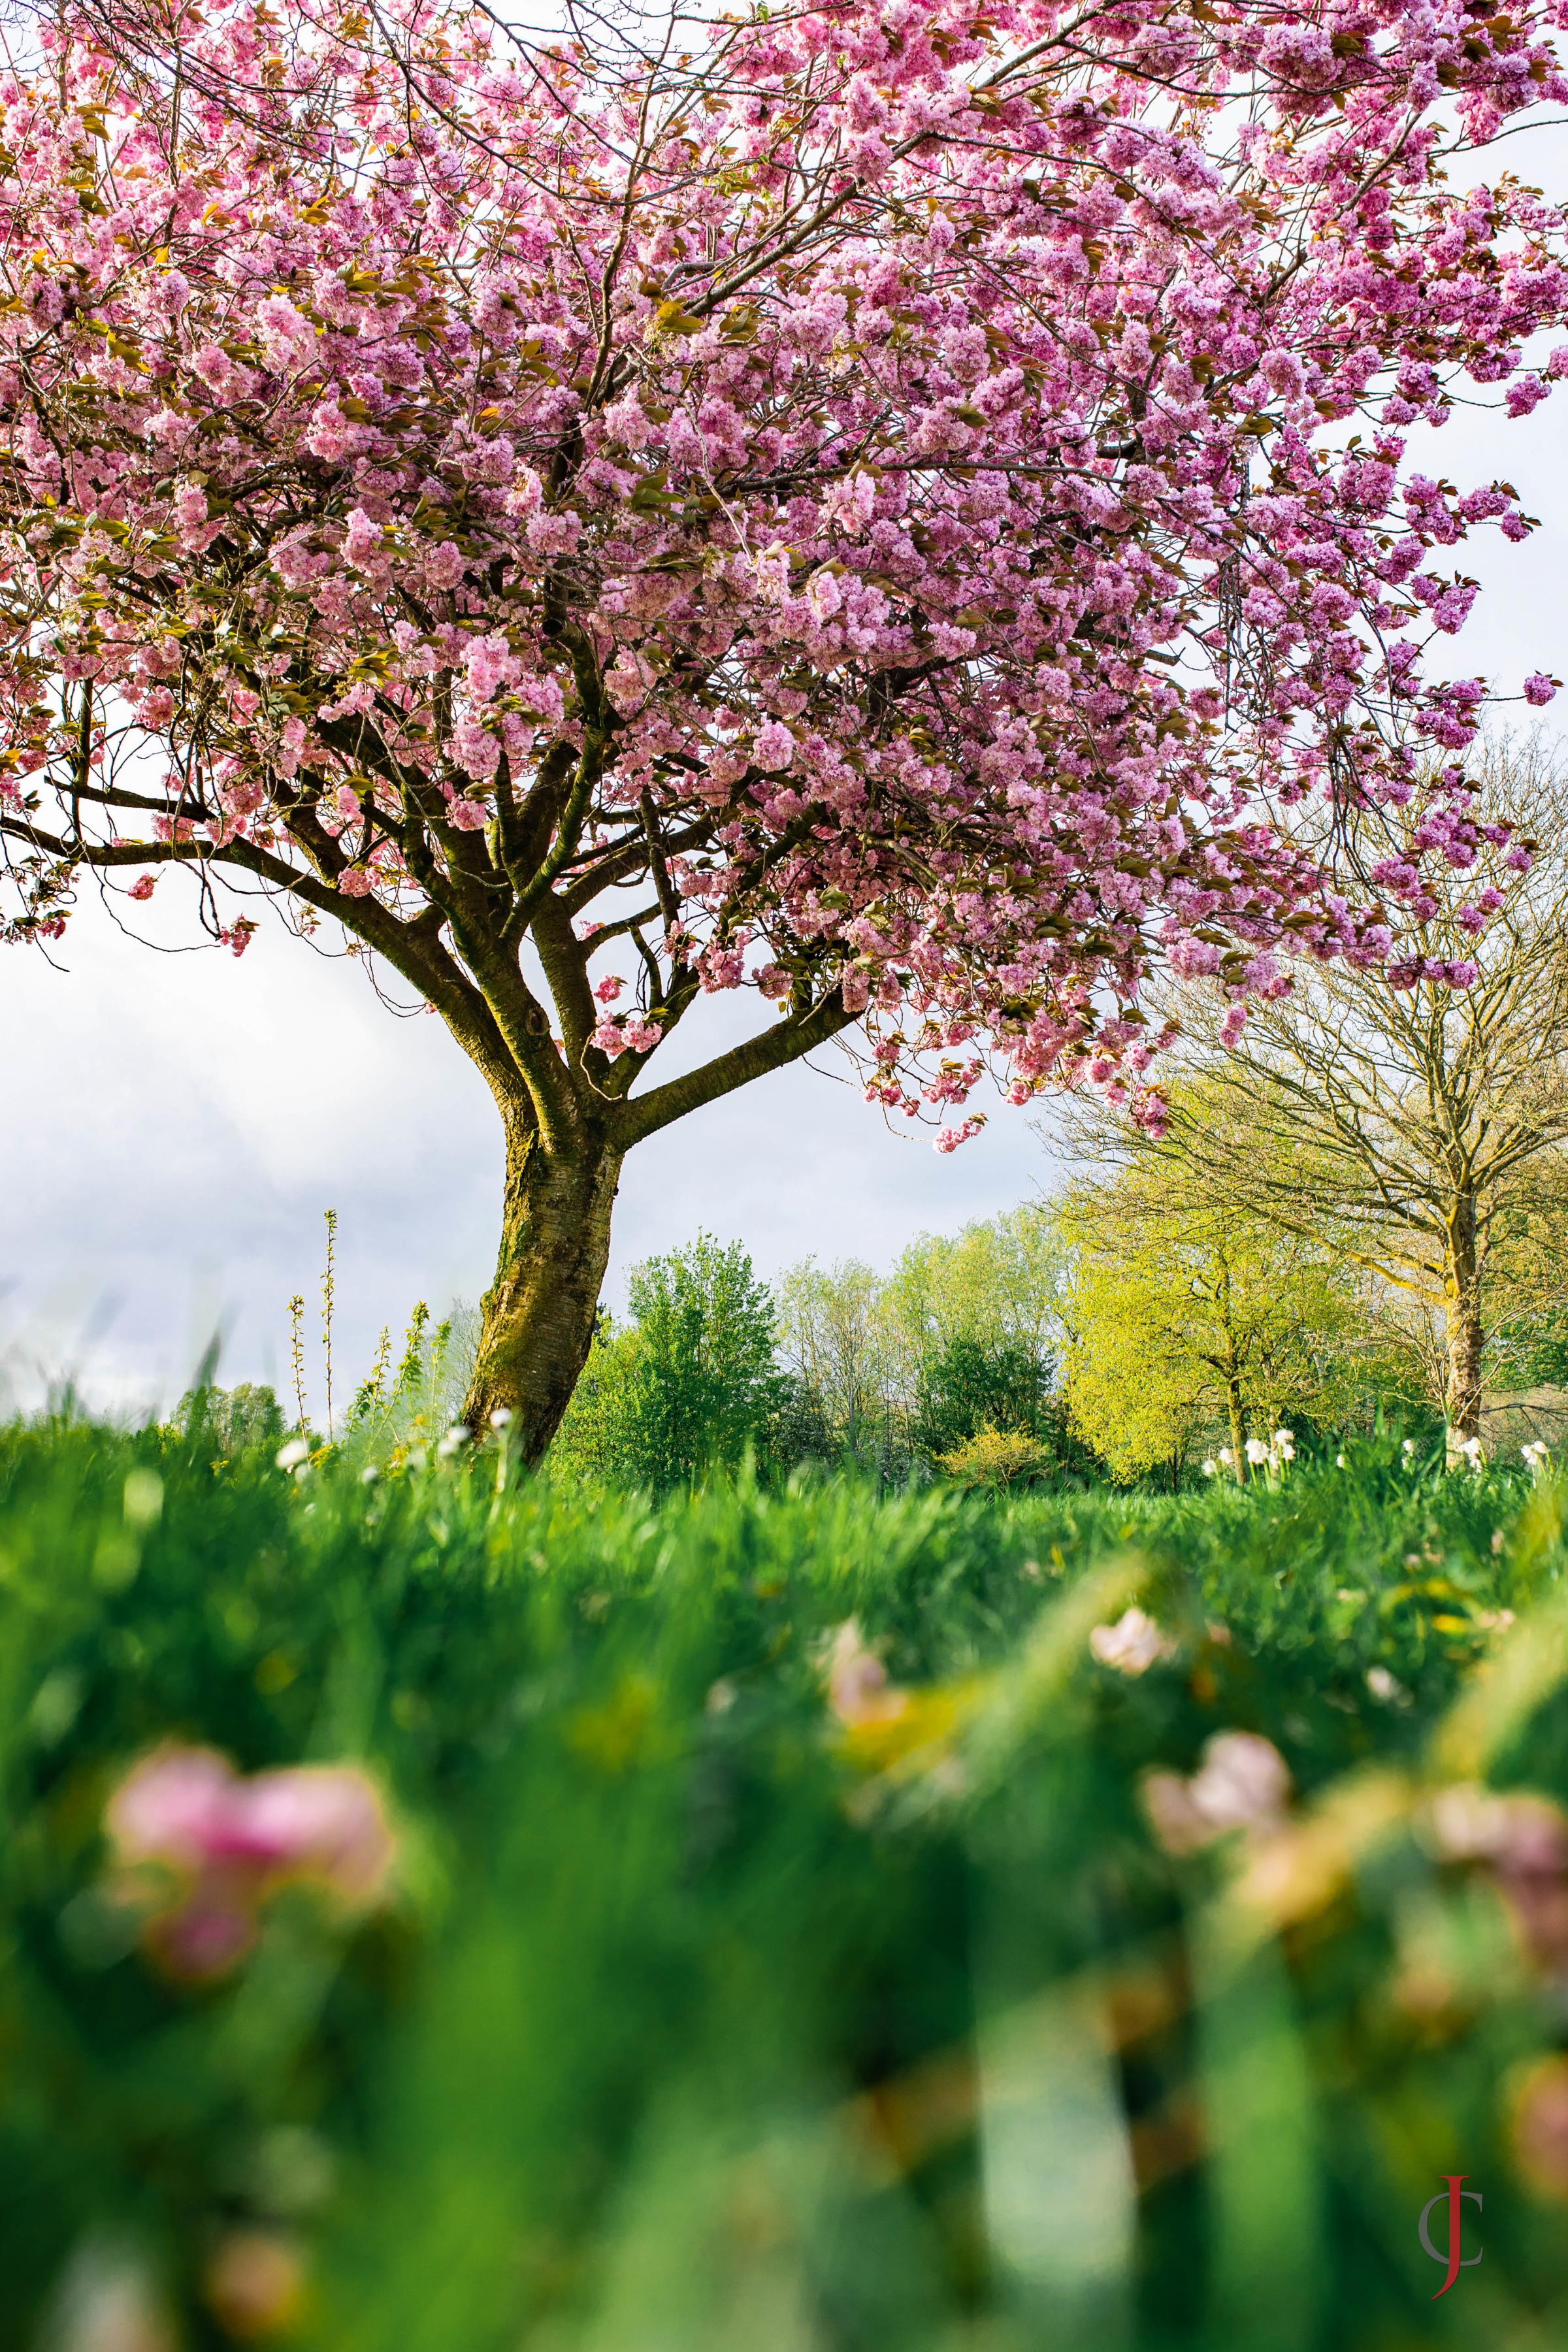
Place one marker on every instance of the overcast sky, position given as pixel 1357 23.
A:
pixel 178 1122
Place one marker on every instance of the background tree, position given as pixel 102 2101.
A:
pixel 688 1384
pixel 842 1357
pixel 1419 1110
pixel 242 1420
pixel 1189 1319
pixel 854 511
pixel 997 1284
pixel 968 1385
pixel 964 1330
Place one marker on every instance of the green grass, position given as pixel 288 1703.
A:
pixel 693 2023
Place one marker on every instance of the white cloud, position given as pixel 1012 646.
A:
pixel 186 1118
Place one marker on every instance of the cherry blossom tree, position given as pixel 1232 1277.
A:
pixel 898 511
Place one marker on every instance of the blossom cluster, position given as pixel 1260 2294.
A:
pixel 200 1850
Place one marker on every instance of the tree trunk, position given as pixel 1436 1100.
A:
pixel 538 1314
pixel 1462 1310
pixel 1230 1365
pixel 1237 1430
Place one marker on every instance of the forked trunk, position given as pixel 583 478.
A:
pixel 1462 1309
pixel 538 1314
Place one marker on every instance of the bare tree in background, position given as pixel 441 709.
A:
pixel 1424 1120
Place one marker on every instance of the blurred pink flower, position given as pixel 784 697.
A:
pixel 858 1688
pixel 227 1843
pixel 253 2283
pixel 1519 1833
pixel 1539 2125
pixel 1523 1840
pixel 1132 1644
pixel 107 2301
pixel 1243 1782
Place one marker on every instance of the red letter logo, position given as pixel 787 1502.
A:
pixel 1456 2217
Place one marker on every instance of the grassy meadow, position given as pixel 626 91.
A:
pixel 739 1982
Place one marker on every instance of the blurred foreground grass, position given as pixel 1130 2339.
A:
pixel 700 2016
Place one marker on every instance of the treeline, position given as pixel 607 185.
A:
pixel 949 1364
pixel 1141 1328
pixel 1144 1327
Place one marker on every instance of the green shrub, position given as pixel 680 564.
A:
pixel 996 1457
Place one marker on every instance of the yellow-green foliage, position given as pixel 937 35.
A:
pixel 1191 1323
pixel 999 1282
pixel 996 1457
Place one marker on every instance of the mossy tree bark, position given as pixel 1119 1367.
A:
pixel 570 1120
pixel 1462 1315
pixel 538 1315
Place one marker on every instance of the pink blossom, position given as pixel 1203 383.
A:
pixel 362 540
pixel 1538 2118
pixel 957 624
pixel 1520 1839
pixel 631 1034
pixel 287 335
pixel 1243 1782
pixel 1133 1644
pixel 1539 688
pixel 443 563
pixel 554 534
pixel 858 1688
pixel 1518 1830
pixel 1523 394
pixel 210 1848
pixel 948 1139
pixel 491 664
pixel 475 750
pixel 330 436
